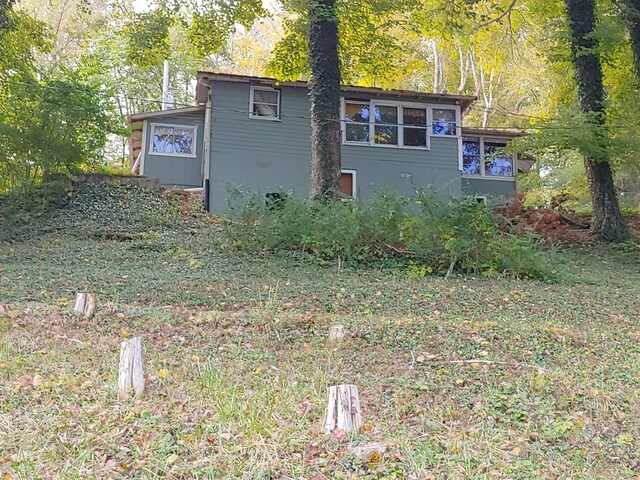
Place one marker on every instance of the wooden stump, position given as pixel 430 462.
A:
pixel 343 409
pixel 85 305
pixel 336 334
pixel 130 374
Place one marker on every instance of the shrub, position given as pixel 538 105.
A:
pixel 423 232
pixel 30 205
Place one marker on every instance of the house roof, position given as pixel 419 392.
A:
pixel 493 132
pixel 463 100
pixel 161 113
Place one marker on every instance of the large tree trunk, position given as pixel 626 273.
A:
pixel 632 13
pixel 608 223
pixel 325 100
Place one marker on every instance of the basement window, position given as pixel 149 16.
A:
pixel 173 140
pixel 264 103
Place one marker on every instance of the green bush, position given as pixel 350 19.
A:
pixel 30 205
pixel 423 232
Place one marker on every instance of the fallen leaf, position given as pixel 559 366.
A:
pixel 171 459
pixel 163 372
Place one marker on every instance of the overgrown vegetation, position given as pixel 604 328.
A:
pixel 425 232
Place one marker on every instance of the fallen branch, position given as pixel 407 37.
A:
pixel 399 251
pixel 571 221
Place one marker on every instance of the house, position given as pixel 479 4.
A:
pixel 255 132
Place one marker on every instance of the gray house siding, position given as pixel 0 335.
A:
pixel 268 156
pixel 175 170
pixel 489 187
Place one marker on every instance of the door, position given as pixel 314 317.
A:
pixel 348 182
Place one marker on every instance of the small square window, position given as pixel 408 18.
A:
pixel 444 122
pixel 265 103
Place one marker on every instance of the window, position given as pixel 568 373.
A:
pixel 386 124
pixel 357 122
pixel 392 124
pixel 486 158
pixel 415 127
pixel 496 162
pixel 178 140
pixel 444 122
pixel 265 103
pixel 471 156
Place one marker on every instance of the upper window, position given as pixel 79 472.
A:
pixel 265 103
pixel 401 125
pixel 386 124
pixel 415 127
pixel 178 140
pixel 444 121
pixel 485 158
pixel 357 122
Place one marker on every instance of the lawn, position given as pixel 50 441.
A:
pixel 463 378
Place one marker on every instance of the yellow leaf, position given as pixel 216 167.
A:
pixel 459 382
pixel 257 371
pixel 375 457
pixel 366 428
pixel 516 450
pixel 163 372
pixel 16 388
pixel 195 358
pixel 124 333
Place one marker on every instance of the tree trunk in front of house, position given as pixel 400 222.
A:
pixel 608 223
pixel 325 100
pixel 632 13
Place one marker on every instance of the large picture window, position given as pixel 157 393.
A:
pixel 487 158
pixel 393 124
pixel 177 140
pixel 265 103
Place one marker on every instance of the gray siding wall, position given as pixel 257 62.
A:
pixel 483 186
pixel 173 170
pixel 268 156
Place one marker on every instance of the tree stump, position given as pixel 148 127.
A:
pixel 130 374
pixel 343 409
pixel 336 334
pixel 85 305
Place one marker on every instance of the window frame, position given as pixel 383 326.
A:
pixel 428 107
pixel 252 90
pixel 194 152
pixel 482 174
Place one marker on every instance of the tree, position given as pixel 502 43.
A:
pixel 631 9
pixel 5 9
pixel 608 223
pixel 325 99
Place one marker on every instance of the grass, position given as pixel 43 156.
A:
pixel 238 364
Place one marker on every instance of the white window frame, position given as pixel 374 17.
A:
pixel 252 91
pixel 194 152
pixel 354 181
pixel 428 107
pixel 482 174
